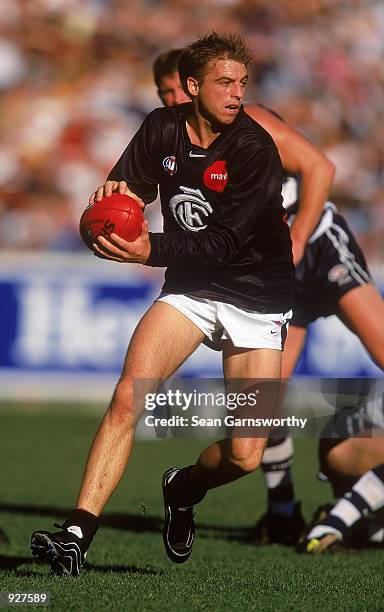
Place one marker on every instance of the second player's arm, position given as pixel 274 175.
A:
pixel 299 156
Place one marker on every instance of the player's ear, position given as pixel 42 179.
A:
pixel 193 86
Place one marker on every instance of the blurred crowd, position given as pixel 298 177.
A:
pixel 76 82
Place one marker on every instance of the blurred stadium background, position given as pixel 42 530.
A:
pixel 75 84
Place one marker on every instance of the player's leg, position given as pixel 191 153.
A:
pixel 292 350
pixel 362 310
pixel 364 498
pixel 229 459
pixel 226 460
pixel 355 456
pixel 283 521
pixel 153 355
pixel 360 305
pixel 355 469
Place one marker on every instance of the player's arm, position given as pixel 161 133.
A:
pixel 299 156
pixel 138 165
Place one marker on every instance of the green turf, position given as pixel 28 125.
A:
pixel 42 457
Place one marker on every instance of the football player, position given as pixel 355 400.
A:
pixel 229 280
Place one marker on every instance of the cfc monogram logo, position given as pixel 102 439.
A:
pixel 190 208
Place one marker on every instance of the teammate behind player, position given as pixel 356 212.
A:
pixel 229 280
pixel 322 245
pixel 166 77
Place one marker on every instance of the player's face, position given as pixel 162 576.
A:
pixel 221 91
pixel 170 90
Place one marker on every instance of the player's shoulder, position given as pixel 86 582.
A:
pixel 168 114
pixel 259 112
pixel 253 132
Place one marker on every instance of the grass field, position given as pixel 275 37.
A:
pixel 42 455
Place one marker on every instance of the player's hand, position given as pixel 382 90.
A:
pixel 298 249
pixel 298 245
pixel 109 187
pixel 118 249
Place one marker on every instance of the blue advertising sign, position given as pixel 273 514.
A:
pixel 66 322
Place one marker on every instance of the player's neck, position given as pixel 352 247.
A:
pixel 201 131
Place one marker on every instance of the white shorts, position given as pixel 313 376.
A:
pixel 220 321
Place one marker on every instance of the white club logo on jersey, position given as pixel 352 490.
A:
pixel 189 209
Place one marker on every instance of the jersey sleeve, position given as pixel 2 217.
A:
pixel 137 165
pixel 252 186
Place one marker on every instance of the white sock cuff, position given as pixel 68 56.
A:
pixel 321 530
pixel 273 479
pixel 346 512
pixel 371 489
pixel 280 452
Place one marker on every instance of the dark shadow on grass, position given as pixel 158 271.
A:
pixel 125 521
pixel 12 563
pixel 8 562
pixel 136 523
pixel 125 569
pixel 3 537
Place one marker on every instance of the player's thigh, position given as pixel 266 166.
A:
pixel 362 310
pixel 254 373
pixel 293 346
pixel 243 363
pixel 162 341
pixel 355 456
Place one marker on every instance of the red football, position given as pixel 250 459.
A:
pixel 119 214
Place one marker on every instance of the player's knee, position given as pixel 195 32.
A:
pixel 247 458
pixel 122 408
pixel 247 464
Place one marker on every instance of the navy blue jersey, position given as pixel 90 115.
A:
pixel 332 265
pixel 224 237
